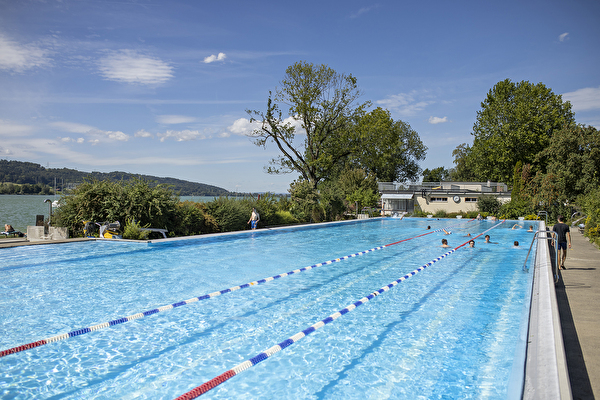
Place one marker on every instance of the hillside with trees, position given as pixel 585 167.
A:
pixel 17 177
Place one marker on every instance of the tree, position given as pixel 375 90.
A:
pixel 438 174
pixel 515 123
pixel 573 157
pixel 515 194
pixel 388 149
pixel 463 171
pixel 325 105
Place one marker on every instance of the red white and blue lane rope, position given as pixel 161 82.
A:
pixel 167 307
pixel 211 384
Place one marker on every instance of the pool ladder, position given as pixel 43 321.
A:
pixel 552 237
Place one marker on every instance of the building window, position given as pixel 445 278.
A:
pixel 439 200
pixel 470 199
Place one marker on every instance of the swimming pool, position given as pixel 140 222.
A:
pixel 456 329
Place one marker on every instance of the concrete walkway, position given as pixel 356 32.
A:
pixel 578 296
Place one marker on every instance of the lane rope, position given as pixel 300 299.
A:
pixel 167 307
pixel 211 384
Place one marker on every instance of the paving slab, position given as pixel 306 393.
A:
pixel 578 296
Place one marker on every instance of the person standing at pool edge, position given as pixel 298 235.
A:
pixel 564 236
pixel 254 218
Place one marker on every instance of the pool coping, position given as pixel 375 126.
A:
pixel 546 373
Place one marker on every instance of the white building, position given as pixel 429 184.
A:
pixel 452 197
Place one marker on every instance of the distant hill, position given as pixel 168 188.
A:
pixel 26 173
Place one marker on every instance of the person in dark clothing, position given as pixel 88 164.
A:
pixel 564 239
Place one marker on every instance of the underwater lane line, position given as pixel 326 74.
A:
pixel 123 320
pixel 225 376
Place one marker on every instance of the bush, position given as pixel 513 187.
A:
pixel 440 214
pixel 488 204
pixel 284 218
pixel 515 209
pixel 590 206
pixel 193 219
pixel 133 230
pixel 106 201
pixel 230 214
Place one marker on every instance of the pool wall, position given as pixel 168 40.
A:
pixel 546 374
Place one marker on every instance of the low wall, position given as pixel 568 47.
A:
pixel 39 233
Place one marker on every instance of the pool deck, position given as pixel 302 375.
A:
pixel 578 298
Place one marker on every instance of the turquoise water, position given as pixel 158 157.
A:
pixel 454 330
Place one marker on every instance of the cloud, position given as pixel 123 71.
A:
pixel 129 66
pixel 174 119
pixel 182 136
pixel 72 127
pixel 437 120
pixel 241 126
pixel 213 58
pixel 71 140
pixel 405 104
pixel 363 10
pixel 143 133
pixel 10 129
pixel 18 58
pixel 564 37
pixel 244 127
pixel 584 99
pixel 97 134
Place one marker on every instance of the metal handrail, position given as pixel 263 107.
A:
pixel 554 237
pixel 545 213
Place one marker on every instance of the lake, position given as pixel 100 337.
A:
pixel 20 210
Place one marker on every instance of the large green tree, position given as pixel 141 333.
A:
pixel 320 128
pixel 324 104
pixel 463 170
pixel 387 149
pixel 515 123
pixel 438 174
pixel 573 157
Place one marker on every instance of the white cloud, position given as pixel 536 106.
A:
pixel 174 119
pixel 113 135
pixel 18 58
pixel 564 37
pixel 71 140
pixel 244 127
pixel 97 134
pixel 363 10
pixel 8 128
pixel 241 126
pixel 143 133
pixel 72 127
pixel 6 152
pixel 182 136
pixel 213 58
pixel 405 104
pixel 131 67
pixel 584 99
pixel 437 120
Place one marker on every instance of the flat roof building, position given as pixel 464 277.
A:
pixel 431 197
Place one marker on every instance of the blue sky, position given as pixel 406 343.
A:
pixel 161 87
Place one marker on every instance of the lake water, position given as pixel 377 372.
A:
pixel 20 210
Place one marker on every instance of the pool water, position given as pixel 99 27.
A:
pixel 456 329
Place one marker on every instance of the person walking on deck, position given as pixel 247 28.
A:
pixel 564 239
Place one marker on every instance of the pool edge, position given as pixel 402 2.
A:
pixel 546 372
